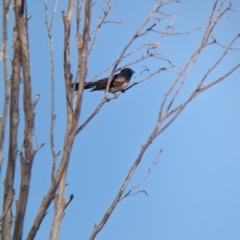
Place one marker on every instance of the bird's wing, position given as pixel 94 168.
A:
pixel 102 84
pixel 118 80
pixel 97 85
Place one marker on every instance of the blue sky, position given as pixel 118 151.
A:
pixel 193 192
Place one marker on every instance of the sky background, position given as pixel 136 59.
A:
pixel 193 192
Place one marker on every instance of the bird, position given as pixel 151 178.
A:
pixel 119 82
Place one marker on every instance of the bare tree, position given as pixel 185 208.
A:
pixel 131 54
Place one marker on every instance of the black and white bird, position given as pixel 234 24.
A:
pixel 119 82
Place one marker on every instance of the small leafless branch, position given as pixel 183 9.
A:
pixel 98 227
pixel 49 26
pixel 220 78
pixel 219 60
pixel 117 21
pixel 213 21
pixel 94 113
pixel 106 11
pixel 223 46
pixel 53 115
pixel 35 101
pixel 39 147
pixel 67 202
pixel 150 75
pixel 208 71
pixel 175 112
pixel 130 192
pixel 184 73
pixel 177 33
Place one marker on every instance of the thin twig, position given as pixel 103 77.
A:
pixel 53 115
pixel 130 192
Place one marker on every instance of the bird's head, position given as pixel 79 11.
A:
pixel 128 71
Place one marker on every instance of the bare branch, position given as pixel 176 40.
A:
pixel 184 73
pixel 223 46
pixel 176 33
pixel 176 111
pixel 91 116
pixel 27 157
pixel 220 78
pixel 219 60
pixel 59 208
pixel 53 115
pixel 130 192
pixel 101 21
pixel 13 130
pixel 4 54
pixel 7 208
pixel 117 22
pixel 73 116
pixel 212 22
pixel 39 147
pixel 98 227
pixel 35 101
pixel 49 26
pixel 191 62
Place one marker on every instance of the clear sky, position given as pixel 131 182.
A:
pixel 193 192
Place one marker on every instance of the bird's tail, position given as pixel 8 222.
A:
pixel 87 85
pixel 75 86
